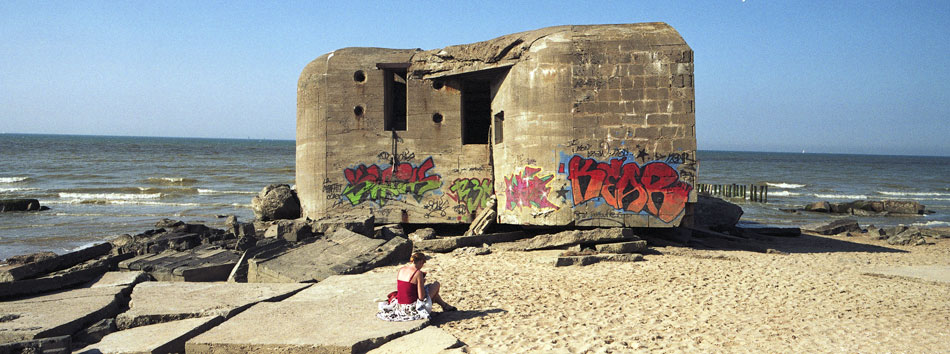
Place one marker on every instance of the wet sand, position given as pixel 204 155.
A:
pixel 815 298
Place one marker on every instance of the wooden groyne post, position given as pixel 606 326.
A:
pixel 753 192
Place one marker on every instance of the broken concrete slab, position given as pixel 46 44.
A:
pixel 120 279
pixel 58 314
pixel 360 223
pixel 46 284
pixel 157 302
pixel 447 244
pixel 622 247
pixel 204 263
pixel 583 260
pixel 429 340
pixel 29 270
pixel 168 337
pixel 573 237
pixel 341 252
pixel 834 227
pixel 927 273
pixel 337 315
pixel 52 345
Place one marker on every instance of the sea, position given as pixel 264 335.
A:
pixel 99 187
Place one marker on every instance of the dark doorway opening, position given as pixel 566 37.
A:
pixel 476 111
pixel 394 98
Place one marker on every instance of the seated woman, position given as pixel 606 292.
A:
pixel 414 298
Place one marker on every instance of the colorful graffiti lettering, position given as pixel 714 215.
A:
pixel 378 184
pixel 471 192
pixel 528 189
pixel 655 187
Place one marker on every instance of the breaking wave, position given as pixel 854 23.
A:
pixel 784 185
pixel 13 179
pixel 784 194
pixel 212 191
pixel 932 223
pixel 107 197
pixel 841 196
pixel 172 181
pixel 915 194
pixel 10 190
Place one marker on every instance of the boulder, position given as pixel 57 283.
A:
pixel 822 206
pixel 337 315
pixel 874 233
pixel 20 205
pixel 713 212
pixel 573 237
pixel 834 227
pixel 361 223
pixel 388 231
pixel 169 337
pixel 423 234
pixel 909 236
pixel 158 302
pixel 275 202
pixel 903 207
pixel 340 252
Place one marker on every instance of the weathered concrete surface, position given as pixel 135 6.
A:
pixel 157 302
pixel 545 96
pixel 57 314
pixel 168 337
pixel 25 271
pixel 52 345
pixel 928 273
pixel 204 263
pixel 583 260
pixel 573 237
pixel 341 252
pixel 429 340
pixel 120 279
pixel 447 244
pixel 40 285
pixel 833 227
pixel 361 223
pixel 622 247
pixel 337 315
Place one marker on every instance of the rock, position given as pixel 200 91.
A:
pixel 447 244
pixel 360 223
pixel 834 227
pixel 122 241
pixel 59 314
pixel 169 224
pixel 46 265
pixel 429 340
pixel 422 234
pixel 573 237
pixel 169 337
pixel 205 263
pixel 239 229
pixel 622 247
pixel 714 212
pixel 30 258
pixel 936 232
pixel 903 207
pixel 244 243
pixel 337 315
pixel 874 233
pixel 290 230
pixel 340 252
pixel 50 345
pixel 909 236
pixel 275 202
pixel 475 251
pixel 20 205
pixel 388 231
pixel 583 260
pixel 893 230
pixel 822 206
pixel 158 302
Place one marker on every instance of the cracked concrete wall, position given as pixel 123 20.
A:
pixel 591 125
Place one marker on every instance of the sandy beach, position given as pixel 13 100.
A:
pixel 813 298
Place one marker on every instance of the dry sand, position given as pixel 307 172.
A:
pixel 813 299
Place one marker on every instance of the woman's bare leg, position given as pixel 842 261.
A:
pixel 434 294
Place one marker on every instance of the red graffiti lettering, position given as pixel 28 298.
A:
pixel 627 186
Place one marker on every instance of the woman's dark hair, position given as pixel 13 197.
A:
pixel 418 256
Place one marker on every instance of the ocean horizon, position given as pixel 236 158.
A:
pixel 101 186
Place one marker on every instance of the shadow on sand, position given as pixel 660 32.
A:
pixel 804 243
pixel 445 317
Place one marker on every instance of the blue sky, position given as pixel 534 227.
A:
pixel 822 76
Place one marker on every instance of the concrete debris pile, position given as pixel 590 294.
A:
pixel 869 208
pixel 900 235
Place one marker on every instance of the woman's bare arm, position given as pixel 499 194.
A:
pixel 421 286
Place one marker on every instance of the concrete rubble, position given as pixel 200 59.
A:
pixel 337 315
pixel 574 237
pixel 58 314
pixel 158 302
pixel 447 244
pixel 167 337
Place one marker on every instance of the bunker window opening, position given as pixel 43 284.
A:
pixel 394 98
pixel 499 127
pixel 476 111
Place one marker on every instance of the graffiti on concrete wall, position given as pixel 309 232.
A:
pixel 528 189
pixel 472 193
pixel 621 183
pixel 375 183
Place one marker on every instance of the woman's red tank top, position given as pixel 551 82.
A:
pixel 406 292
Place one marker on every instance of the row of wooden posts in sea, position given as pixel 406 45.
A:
pixel 753 192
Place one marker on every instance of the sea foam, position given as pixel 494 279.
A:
pixel 915 194
pixel 13 179
pixel 784 185
pixel 108 196
pixel 784 194
pixel 841 196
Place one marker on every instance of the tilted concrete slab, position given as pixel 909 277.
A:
pixel 429 340
pixel 203 263
pixel 121 279
pixel 168 337
pixel 157 302
pixel 337 315
pixel 57 314
pixel 928 273
pixel 29 270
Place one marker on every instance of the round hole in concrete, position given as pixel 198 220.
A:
pixel 437 118
pixel 437 85
pixel 359 76
pixel 358 111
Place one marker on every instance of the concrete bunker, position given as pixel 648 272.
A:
pixel 567 125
